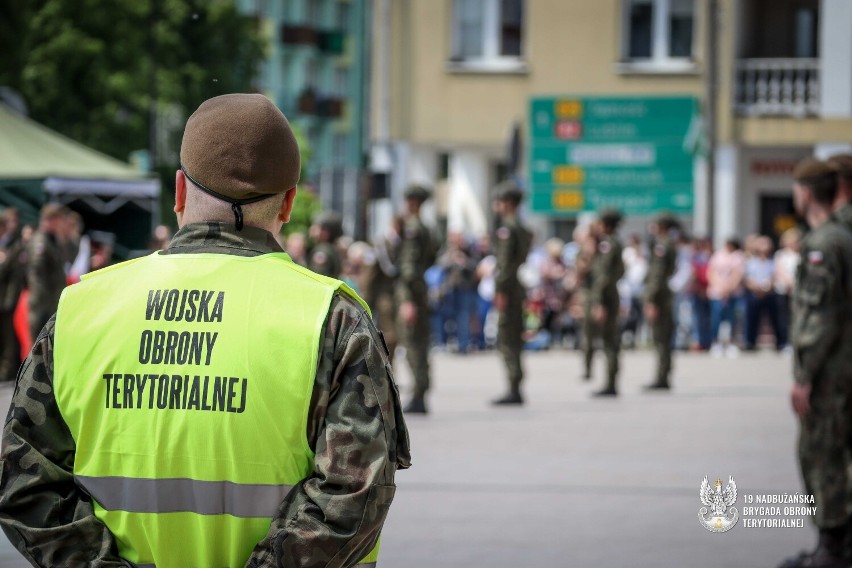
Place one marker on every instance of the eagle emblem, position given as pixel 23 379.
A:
pixel 718 505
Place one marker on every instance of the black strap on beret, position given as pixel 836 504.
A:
pixel 235 203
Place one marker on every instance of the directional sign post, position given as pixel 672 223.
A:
pixel 632 153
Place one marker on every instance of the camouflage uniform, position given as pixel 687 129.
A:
pixel 332 518
pixel 821 333
pixel 511 246
pixel 606 269
pixel 379 290
pixel 415 254
pixel 45 278
pixel 661 267
pixel 324 259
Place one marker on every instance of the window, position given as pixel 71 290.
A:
pixel 658 31
pixel 487 33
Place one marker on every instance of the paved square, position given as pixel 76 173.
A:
pixel 570 481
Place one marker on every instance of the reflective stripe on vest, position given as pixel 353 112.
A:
pixel 186 382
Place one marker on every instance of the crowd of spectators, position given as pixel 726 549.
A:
pixel 732 299
pixel 727 300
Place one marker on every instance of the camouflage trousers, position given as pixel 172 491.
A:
pixel 510 341
pixel 609 333
pixel 417 339
pixel 824 458
pixel 662 331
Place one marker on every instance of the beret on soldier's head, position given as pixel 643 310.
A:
pixel 811 169
pixel 240 146
pixel 842 165
pixel 508 191
pixel 417 192
pixel 667 221
pixel 610 217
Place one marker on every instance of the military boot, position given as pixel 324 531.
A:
pixel 658 385
pixel 417 405
pixel 828 553
pixel 510 398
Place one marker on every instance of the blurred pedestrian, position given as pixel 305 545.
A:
pixel 606 270
pixel 821 335
pixel 13 276
pixel 297 248
pixel 724 285
pixel 759 281
pixel 632 284
pixel 324 258
pixel 460 281
pixel 787 260
pixel 659 297
pixel 415 255
pixel 702 331
pixel 116 452
pixel 380 292
pixel 552 273
pixel 485 291
pixel 512 243
pixel 46 267
pixel 681 285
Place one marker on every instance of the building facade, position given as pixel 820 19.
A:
pixel 454 78
pixel 316 71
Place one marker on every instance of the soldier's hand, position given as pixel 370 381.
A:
pixel 599 313
pixel 500 302
pixel 800 396
pixel 408 312
pixel 651 312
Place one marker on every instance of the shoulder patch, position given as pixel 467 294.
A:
pixel 604 247
pixel 503 233
pixel 815 257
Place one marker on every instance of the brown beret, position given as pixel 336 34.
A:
pixel 417 192
pixel 241 147
pixel 508 191
pixel 811 169
pixel 842 164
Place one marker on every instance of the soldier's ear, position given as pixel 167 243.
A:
pixel 180 191
pixel 287 205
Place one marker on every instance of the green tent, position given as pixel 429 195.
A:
pixel 39 165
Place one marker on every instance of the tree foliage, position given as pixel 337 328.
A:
pixel 89 68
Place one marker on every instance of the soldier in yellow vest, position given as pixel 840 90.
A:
pixel 212 404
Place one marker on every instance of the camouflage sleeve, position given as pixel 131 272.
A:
pixel 818 313
pixel 507 268
pixel 333 518
pixel 36 269
pixel 608 273
pixel 48 519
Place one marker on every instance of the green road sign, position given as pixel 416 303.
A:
pixel 633 153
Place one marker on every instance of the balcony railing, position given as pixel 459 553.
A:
pixel 777 87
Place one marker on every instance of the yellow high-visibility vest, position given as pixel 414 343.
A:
pixel 185 381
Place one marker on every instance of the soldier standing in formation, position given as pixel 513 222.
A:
pixel 511 245
pixel 46 267
pixel 416 253
pixel 821 333
pixel 607 267
pixel 324 258
pixel 659 299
